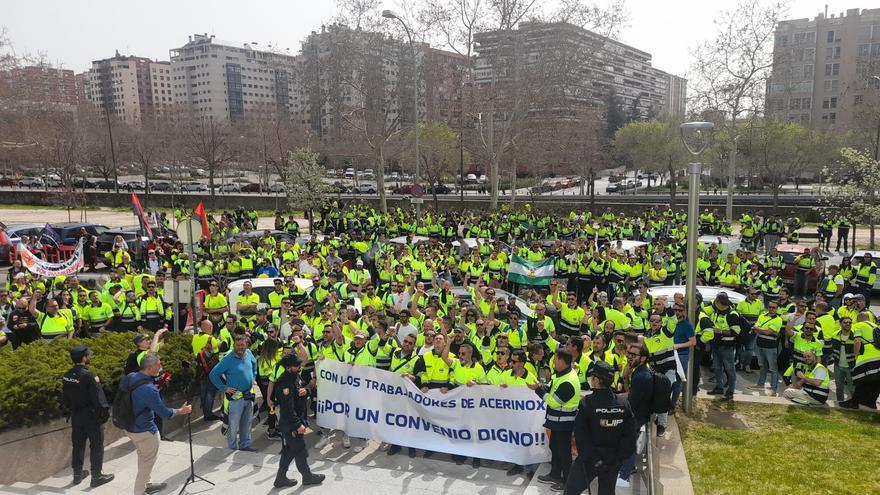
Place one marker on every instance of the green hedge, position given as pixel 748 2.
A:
pixel 30 376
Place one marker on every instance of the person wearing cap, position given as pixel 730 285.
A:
pixel 605 435
pixel 52 323
pixel 83 397
pixel 358 276
pixel 293 399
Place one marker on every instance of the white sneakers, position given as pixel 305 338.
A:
pixel 622 483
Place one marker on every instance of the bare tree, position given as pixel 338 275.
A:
pixel 730 71
pixel 208 142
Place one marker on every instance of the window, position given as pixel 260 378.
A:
pixel 794 104
pixel 830 38
pixel 832 85
pixel 808 71
pixel 858 99
pixel 832 69
pixel 832 53
pixel 830 102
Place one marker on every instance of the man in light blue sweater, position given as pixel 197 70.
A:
pixel 235 374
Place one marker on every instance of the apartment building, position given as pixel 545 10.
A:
pixel 44 84
pixel 231 81
pixel 579 68
pixel 129 87
pixel 824 70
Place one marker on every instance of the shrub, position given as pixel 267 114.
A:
pixel 30 376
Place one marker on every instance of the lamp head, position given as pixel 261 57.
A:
pixel 696 136
pixel 389 14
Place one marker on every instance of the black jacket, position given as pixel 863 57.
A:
pixel 82 394
pixel 641 394
pixel 293 408
pixel 604 429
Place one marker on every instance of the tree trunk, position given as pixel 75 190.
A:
pixel 592 191
pixel 310 215
pixel 672 183
pixel 146 179
pixel 776 198
pixel 211 169
pixel 380 180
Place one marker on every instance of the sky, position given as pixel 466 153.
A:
pixel 72 34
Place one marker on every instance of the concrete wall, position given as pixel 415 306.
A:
pixel 33 454
pixel 803 206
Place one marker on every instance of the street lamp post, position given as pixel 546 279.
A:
pixel 731 179
pixel 389 14
pixel 695 136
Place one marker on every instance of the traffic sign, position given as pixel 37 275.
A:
pixel 417 191
pixel 417 201
pixel 189 231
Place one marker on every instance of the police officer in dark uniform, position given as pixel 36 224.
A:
pixel 84 397
pixel 292 397
pixel 604 432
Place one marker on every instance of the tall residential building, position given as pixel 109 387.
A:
pixel 347 77
pixel 44 84
pixel 580 69
pixel 231 81
pixel 129 87
pixel 824 69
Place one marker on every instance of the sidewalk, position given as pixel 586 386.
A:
pixel 369 471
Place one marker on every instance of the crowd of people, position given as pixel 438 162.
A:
pixel 437 308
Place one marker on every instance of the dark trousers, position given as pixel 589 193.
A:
pixel 843 235
pixel 560 452
pixel 866 392
pixel 581 476
pixel 84 426
pixel 293 448
pixel 207 393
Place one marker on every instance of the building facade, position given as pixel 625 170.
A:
pixel 231 81
pixel 129 87
pixel 44 84
pixel 824 68
pixel 581 69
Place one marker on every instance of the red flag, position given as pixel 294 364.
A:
pixel 200 211
pixel 4 239
pixel 141 215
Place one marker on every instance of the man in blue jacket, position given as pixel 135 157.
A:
pixel 235 374
pixel 146 405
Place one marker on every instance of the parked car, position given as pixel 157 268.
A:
pixel 134 185
pixel 195 187
pixel 277 187
pixel 162 186
pixel 339 188
pixel 252 187
pixel 613 187
pixel 405 189
pixel 107 185
pixel 261 287
pixel 439 189
pixel 365 188
pixel 791 251
pixel 14 233
pixel 69 231
pixel 83 184
pixel 54 182
pixel 31 182
pixel 230 188
pixel 199 172
pixel 709 293
pixel 349 173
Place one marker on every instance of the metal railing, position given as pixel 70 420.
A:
pixel 646 478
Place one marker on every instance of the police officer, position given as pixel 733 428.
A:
pixel 84 398
pixel 605 434
pixel 292 396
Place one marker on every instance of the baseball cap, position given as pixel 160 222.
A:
pixel 79 352
pixel 359 335
pixel 290 360
pixel 848 295
pixel 602 370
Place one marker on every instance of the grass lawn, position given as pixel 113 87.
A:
pixel 744 448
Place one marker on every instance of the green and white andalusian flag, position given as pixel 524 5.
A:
pixel 525 272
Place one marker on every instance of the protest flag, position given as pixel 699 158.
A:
pixel 525 272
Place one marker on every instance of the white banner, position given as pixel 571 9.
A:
pixel 483 421
pixel 45 269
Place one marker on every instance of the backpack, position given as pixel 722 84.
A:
pixel 661 401
pixel 123 410
pixel 205 363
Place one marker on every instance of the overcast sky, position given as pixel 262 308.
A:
pixel 73 33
